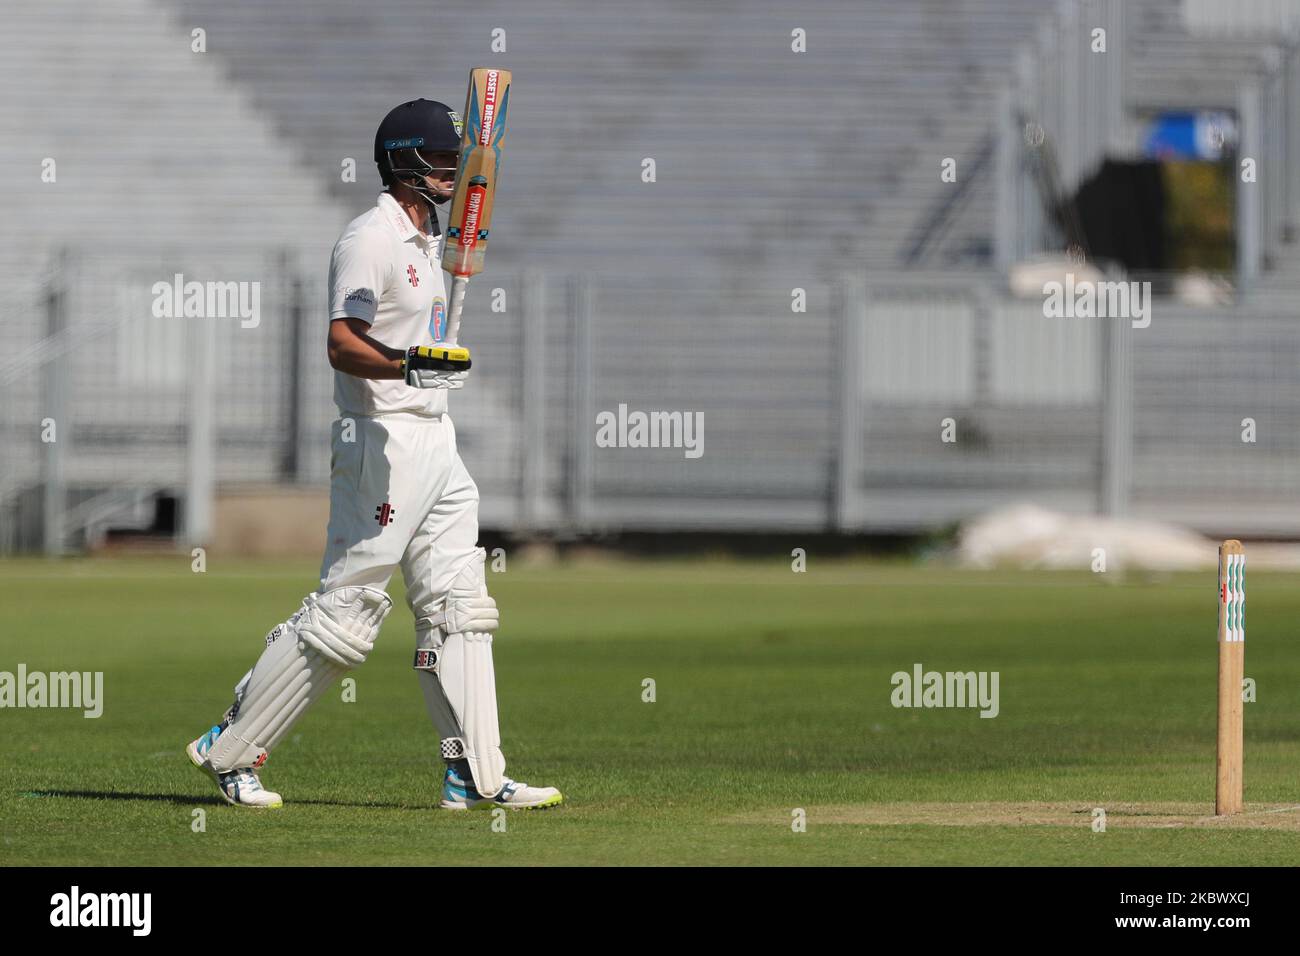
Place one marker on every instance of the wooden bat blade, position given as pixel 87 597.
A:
pixel 484 128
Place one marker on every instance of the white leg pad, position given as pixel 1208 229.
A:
pixel 467 665
pixel 330 634
pixel 454 660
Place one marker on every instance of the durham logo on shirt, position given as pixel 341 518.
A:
pixel 438 320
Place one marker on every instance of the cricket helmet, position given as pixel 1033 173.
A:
pixel 408 135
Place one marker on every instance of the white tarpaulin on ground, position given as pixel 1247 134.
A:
pixel 1027 536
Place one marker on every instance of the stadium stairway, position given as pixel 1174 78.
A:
pixel 767 160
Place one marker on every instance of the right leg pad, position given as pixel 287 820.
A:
pixel 454 660
pixel 330 634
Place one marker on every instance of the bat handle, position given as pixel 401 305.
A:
pixel 458 284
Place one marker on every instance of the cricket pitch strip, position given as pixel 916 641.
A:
pixel 1151 815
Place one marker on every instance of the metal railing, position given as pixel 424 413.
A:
pixel 888 405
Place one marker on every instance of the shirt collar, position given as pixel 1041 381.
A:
pixel 401 222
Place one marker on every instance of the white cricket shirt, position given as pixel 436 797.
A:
pixel 386 272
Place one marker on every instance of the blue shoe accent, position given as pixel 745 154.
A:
pixel 458 790
pixel 204 743
pixel 454 788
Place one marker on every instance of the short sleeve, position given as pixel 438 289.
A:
pixel 358 273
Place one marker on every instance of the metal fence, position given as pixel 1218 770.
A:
pixel 883 406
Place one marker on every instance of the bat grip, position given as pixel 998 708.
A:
pixel 458 284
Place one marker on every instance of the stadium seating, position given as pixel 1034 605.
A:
pixel 775 170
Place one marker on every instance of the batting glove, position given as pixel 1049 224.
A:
pixel 436 366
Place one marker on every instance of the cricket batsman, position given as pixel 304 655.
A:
pixel 399 496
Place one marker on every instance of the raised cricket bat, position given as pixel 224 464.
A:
pixel 484 127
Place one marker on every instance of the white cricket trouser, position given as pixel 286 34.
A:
pixel 399 495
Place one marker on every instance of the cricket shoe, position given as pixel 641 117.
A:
pixel 458 793
pixel 240 787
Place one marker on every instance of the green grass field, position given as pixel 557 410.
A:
pixel 773 693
